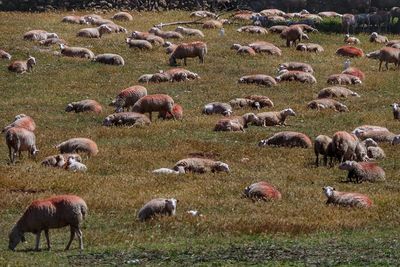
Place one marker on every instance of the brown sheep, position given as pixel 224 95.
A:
pixel 287 139
pixel 262 191
pixel 185 50
pixel 355 72
pixel 22 66
pixel 87 105
pixel 177 112
pixel 259 79
pixel 273 118
pixel 323 145
pixel 344 145
pixel 76 145
pixel 212 24
pixel 363 171
pixel 336 91
pixel 278 28
pixel 128 97
pixel 154 103
pixel 346 199
pixel 387 55
pixel 349 51
pixel 327 103
pixel 21 121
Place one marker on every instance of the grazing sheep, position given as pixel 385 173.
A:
pixel 244 103
pixel 376 38
pixel 177 112
pixel 259 79
pixel 327 103
pixel 217 108
pixel 278 28
pixel 74 20
pixel 169 47
pixel 154 103
pixel 292 34
pixel 351 40
pixel 94 32
pixel 242 49
pixel 396 111
pixel 189 31
pixel 377 135
pixel 59 160
pixel 166 34
pixel 157 206
pixel 299 76
pixel 363 171
pixel 21 121
pixel 19 140
pixel 185 50
pixel 343 79
pixel 236 123
pixel 355 72
pixel 44 214
pixel 349 51
pixel 299 66
pixel 141 44
pixel 252 29
pixel 122 16
pixel 387 55
pixel 265 47
pixel 200 165
pixel 344 145
pixel 323 145
pixel 128 97
pixel 346 199
pixel 38 35
pixel 127 119
pixel 212 24
pixel 76 52
pixel 111 59
pixel 22 66
pixel 75 166
pixel 263 101
pixel 310 47
pixel 52 41
pixel 4 54
pixel 275 117
pixel 287 139
pixel 336 91
pixel 262 191
pixel 87 105
pixel 76 145
pixel 169 171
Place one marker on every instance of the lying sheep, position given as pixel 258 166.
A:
pixel 200 165
pixel 155 40
pixel 278 28
pixel 76 52
pixel 4 55
pixel 75 166
pixel 145 78
pixel 141 44
pixel 111 59
pixel 376 38
pixel 235 124
pixel 309 47
pixel 287 139
pixel 274 117
pixel 329 14
pixel 169 171
pixel 336 91
pixel 253 29
pixel 177 74
pixel 166 34
pixel 363 171
pixel 53 41
pixel 344 145
pixel 22 66
pixel 262 191
pixel 122 16
pixel 203 14
pixel 154 103
pixel 368 128
pixel 44 214
pixel 377 136
pixel 19 140
pixel 128 97
pixel 299 66
pixel 177 112
pixel 327 103
pixel 373 150
pixel 59 160
pixel 76 145
pixel 263 101
pixel 350 51
pixel 242 49
pixel 189 31
pixel 157 206
pixel 244 103
pixel 259 79
pixel 126 119
pixel 140 35
pixel 212 24
pixel 343 79
pixel 323 145
pixel 351 40
pixel 265 47
pixel 74 20
pixel 346 199
pixel 396 111
pixel 355 72
pixel 387 55
pixel 299 76
pixel 94 32
pixel 217 108
pixel 21 121
pixel 188 50
pixel 38 35
pixel 87 105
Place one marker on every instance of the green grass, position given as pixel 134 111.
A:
pixel 298 230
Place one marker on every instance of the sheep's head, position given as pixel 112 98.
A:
pixel 256 105
pixel 170 205
pixel 128 40
pixel 52 35
pixel 154 30
pixel 342 107
pixel 370 142
pixel 236 46
pixel 396 140
pixel 356 80
pixel 282 71
pixel 69 107
pixel 108 120
pixel 374 54
pixel 278 78
pixel 221 167
pixel 31 60
pixel 289 112
pixel 15 237
pixel 395 106
pixel 354 94
pixel 227 112
pixel 19 116
pixel 263 142
pixel 374 35
pixel 34 151
pixel 105 29
pixel 305 36
pixel 328 191
pixel 347 165
pixel 347 36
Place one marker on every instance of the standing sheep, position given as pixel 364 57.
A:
pixel 387 55
pixel 76 145
pixel 323 145
pixel 177 113
pixel 373 150
pixel 76 52
pixel 189 31
pixel 396 111
pixel 111 59
pixel 217 108
pixel 259 79
pixel 344 145
pixel 4 54
pixel 336 91
pixel 287 139
pixel 185 50
pixel 327 103
pixel 274 117
pixel 346 199
pixel 19 140
pixel 355 72
pixel 22 121
pixel 157 206
pixel 348 20
pixel 363 171
pixel 94 32
pixel 349 51
pixel 44 214
pixel 87 105
pixel 200 165
pixel 128 97
pixel 126 118
pixel 21 66
pixel 299 66
pixel 154 103
pixel 292 34
pixel 262 191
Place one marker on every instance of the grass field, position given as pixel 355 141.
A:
pixel 298 230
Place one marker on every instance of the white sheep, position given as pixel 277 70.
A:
pixel 76 52
pixel 87 105
pixel 336 91
pixel 217 108
pixel 201 165
pixel 94 32
pixel 75 166
pixel 22 66
pixel 274 117
pixel 111 59
pixel 396 111
pixel 346 199
pixel 19 140
pixel 169 171
pixel 166 34
pixel 39 35
pixel 4 54
pixel 141 44
pixel 189 31
pixel 158 206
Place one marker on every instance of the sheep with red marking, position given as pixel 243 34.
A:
pixel 363 171
pixel 377 38
pixel 22 66
pixel 128 97
pixel 355 72
pixel 39 35
pixel 19 140
pixel 22 121
pixel 346 199
pixel 76 145
pixel 287 139
pixel 262 191
pixel 188 50
pixel 154 103
pixel 177 113
pixel 310 47
pixel 350 51
pixel 87 105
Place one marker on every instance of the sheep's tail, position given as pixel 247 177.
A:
pixel 84 210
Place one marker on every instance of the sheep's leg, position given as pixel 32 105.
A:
pixel 37 241
pixel 79 234
pixel 380 65
pixel 150 116
pixel 325 160
pixel 317 159
pixel 10 154
pixel 72 235
pixel 184 61
pixel 46 233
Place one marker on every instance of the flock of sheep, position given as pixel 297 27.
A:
pixel 353 151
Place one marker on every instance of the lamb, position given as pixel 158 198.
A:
pixel 19 140
pixel 21 121
pixel 44 214
pixel 154 103
pixel 344 145
pixel 346 199
pixel 327 103
pixel 287 139
pixel 75 166
pixel 52 41
pixel 76 145
pixel 22 66
pixel 185 50
pixel 189 31
pixel 244 102
pixel 141 44
pixel 76 52
pixel 242 49
pixel 166 34
pixel 310 47
pixel 59 160
pixel 355 72
pixel 263 101
pixel 363 171
pixel 94 32
pixel 396 111
pixel 38 35
pixel 87 105
pixel 169 171
pixel 299 66
pixel 128 97
pixel 265 47
pixel 323 145
pixel 236 123
pixel 212 24
pixel 111 59
pixel 376 38
pixel 122 16
pixel 126 118
pixel 157 206
pixel 177 112
pixel 300 76
pixel 275 117
pixel 336 91
pixel 200 165
pixel 351 40
pixel 74 20
pixel 4 54
pixel 253 29
pixel 259 79
pixel 349 51
pixel 262 191
pixel 387 55
pixel 343 79
pixel 217 108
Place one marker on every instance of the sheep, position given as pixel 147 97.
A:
pixel 309 47
pixel 177 112
pixel 259 79
pixel 348 20
pixel 236 123
pixel 344 145
pixel 74 20
pixel 122 16
pixel 287 139
pixel 376 38
pixel 343 79
pixel 252 29
pixel 94 32
pixel 44 214
pixel 262 191
pixel 278 28
pixel 396 111
pixel 217 108
pixel 169 171
pixel 387 55
pixel 76 145
pixel 349 51
pixel 363 171
pixel 242 49
pixel 157 206
pixel 272 12
pixel 275 117
pixel 98 21
pixel 126 118
pixel 355 72
pixel 75 166
pixel 200 165
pixel 244 102
pixel 52 41
pixel 145 78
pixel 176 74
pixel 368 128
pixel 346 199
pixel 323 145
pixel 38 35
pixel 128 97
pixel 185 50
pixel 189 31
pixel 141 44
pixel 162 77
pixel 263 101
pixel 299 66
pixel 300 76
pixel 351 40
pixel 327 103
pixel 111 59
pixel 19 140
pixel 169 47
pixel 373 150
pixel 154 103
pixel 377 135
pixel 265 47
pixel 329 14
pixel 203 14
pixel 4 55
pixel 21 121
pixel 336 91
pixel 59 160
pixel 22 66
pixel 212 24
pixel 87 105
pixel 153 39
pixel 166 34
pixel 76 52
pixel 292 34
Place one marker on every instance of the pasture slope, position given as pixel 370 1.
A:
pixel 298 230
